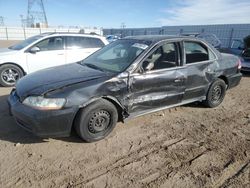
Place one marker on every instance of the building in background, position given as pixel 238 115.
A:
pixel 225 32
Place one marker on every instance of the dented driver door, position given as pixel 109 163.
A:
pixel 160 80
pixel 154 90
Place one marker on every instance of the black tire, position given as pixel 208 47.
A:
pixel 96 121
pixel 10 74
pixel 216 93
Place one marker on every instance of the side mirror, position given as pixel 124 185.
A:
pixel 34 50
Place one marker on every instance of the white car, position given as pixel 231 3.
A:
pixel 43 51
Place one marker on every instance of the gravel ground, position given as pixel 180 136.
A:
pixel 7 43
pixel 188 146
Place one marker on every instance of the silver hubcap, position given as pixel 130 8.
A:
pixel 10 75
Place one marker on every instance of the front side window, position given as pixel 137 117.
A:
pixel 163 57
pixel 195 52
pixel 54 43
pixel 117 56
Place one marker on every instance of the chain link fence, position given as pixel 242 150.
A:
pixel 19 33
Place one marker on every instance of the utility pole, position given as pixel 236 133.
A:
pixel 123 26
pixel 23 21
pixel 36 15
pixel 2 21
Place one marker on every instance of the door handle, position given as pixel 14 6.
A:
pixel 178 80
pixel 61 54
pixel 210 70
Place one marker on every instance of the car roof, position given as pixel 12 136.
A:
pixel 70 34
pixel 157 38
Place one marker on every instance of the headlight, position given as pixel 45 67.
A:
pixel 42 103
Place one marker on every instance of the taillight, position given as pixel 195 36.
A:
pixel 239 64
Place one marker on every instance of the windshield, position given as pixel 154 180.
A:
pixel 25 43
pixel 117 56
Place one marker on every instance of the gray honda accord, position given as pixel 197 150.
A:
pixel 127 78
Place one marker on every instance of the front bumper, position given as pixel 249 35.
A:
pixel 52 123
pixel 234 80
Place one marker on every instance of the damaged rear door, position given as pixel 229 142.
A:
pixel 200 66
pixel 161 83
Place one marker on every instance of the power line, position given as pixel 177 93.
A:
pixel 36 16
pixel 123 25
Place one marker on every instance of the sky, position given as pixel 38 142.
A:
pixel 133 13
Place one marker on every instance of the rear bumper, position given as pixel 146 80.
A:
pixel 245 69
pixel 53 123
pixel 234 80
pixel 245 66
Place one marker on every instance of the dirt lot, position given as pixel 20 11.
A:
pixel 7 43
pixel 189 146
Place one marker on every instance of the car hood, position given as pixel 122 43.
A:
pixel 6 51
pixel 41 82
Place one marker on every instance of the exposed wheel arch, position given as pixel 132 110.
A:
pixel 121 110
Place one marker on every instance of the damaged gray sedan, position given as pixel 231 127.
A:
pixel 127 78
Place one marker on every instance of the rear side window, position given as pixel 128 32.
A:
pixel 83 42
pixel 195 52
pixel 95 43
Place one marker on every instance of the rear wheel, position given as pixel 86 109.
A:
pixel 9 75
pixel 96 121
pixel 216 93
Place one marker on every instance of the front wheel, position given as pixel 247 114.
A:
pixel 216 93
pixel 96 121
pixel 9 75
